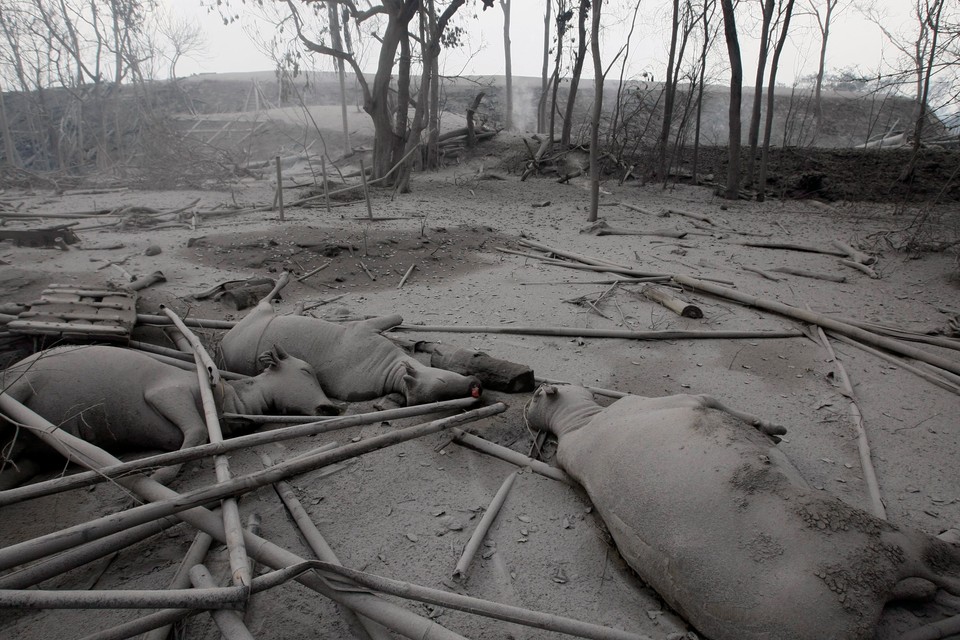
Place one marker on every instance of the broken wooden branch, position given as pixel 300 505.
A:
pixel 863 444
pixel 86 478
pixel 824 321
pixel 860 267
pixel 366 189
pixel 794 247
pixel 569 254
pixel 687 214
pixel 367 271
pixel 476 538
pixel 676 305
pixel 636 208
pixel 809 274
pixel 212 598
pixel 401 620
pixel 197 323
pixel 314 271
pixel 760 272
pixel 854 254
pixel 601 228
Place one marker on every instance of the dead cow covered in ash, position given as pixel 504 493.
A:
pixel 708 512
pixel 353 361
pixel 123 400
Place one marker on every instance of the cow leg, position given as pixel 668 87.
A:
pixel 767 428
pixel 178 407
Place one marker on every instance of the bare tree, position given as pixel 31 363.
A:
pixel 736 90
pixel 706 15
pixel 928 13
pixel 544 82
pixel 771 98
pixel 753 135
pixel 507 63
pixel 670 90
pixel 823 23
pixel 333 15
pixel 598 76
pixel 583 11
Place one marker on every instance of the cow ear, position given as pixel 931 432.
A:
pixel 549 390
pixel 409 379
pixel 279 353
pixel 267 359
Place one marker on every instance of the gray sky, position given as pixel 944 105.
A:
pixel 854 41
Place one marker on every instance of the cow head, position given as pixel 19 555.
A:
pixel 429 384
pixel 290 385
pixel 552 406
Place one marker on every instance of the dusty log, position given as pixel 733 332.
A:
pixel 794 247
pixel 636 208
pixel 161 619
pixel 230 623
pixel 676 305
pixel 824 321
pixel 406 275
pixel 314 271
pixel 49 487
pixel 604 333
pixel 181 579
pixel 122 598
pixel 601 228
pixel 509 455
pixel 391 616
pixel 863 444
pixel 854 254
pixel 471 110
pixel 476 538
pixel 197 323
pixel 481 607
pixel 810 274
pixel 853 264
pixel 599 262
pixel 494 373
pixel 72 536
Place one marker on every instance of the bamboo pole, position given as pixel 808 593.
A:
pixel 853 264
pixel 386 613
pixel 317 543
pixel 181 579
pixel 326 184
pixel 279 198
pixel 366 189
pixel 509 455
pixel 794 247
pixel 161 619
pixel 855 254
pixel 49 487
pixel 679 307
pixel 476 538
pixel 72 536
pixel 230 623
pixel 863 444
pixel 406 275
pixel 599 262
pixel 230 510
pixel 602 333
pixel 122 598
pixel 478 606
pixel 810 274
pixel 820 319
pixel 314 271
pixel 69 560
pixel 197 323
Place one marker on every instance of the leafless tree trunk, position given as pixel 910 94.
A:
pixel 708 9
pixel 736 91
pixel 670 91
pixel 823 23
pixel 541 105
pixel 771 98
pixel 597 112
pixel 753 136
pixel 507 64
pixel 562 18
pixel 335 40
pixel 10 155
pixel 930 17
pixel 584 8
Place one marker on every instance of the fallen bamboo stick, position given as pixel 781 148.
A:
pixel 69 560
pixel 406 275
pixel 601 228
pixel 122 598
pixel 393 617
pixel 603 333
pixel 809 274
pixel 315 540
pixel 230 623
pixel 610 393
pixel 863 444
pixel 72 536
pixel 926 375
pixel 623 281
pixel 366 189
pixel 326 183
pixel 476 538
pixel 628 272
pixel 853 264
pixel 181 579
pixel 367 271
pixel 687 214
pixel 186 366
pixel 495 610
pixel 314 271
pixel 509 455
pixel 855 254
pixel 820 319
pixel 636 208
pixel 197 323
pixel 760 272
pixel 163 619
pixel 49 487
pixel 679 307
pixel 599 262
pixel 207 375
